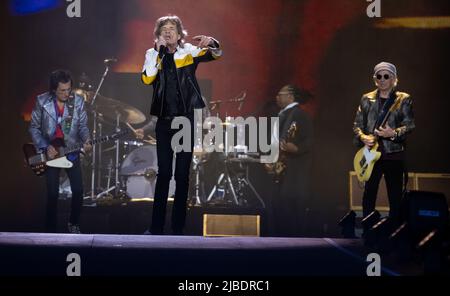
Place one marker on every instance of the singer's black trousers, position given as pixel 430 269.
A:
pixel 165 153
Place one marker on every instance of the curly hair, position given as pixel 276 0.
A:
pixel 174 20
pixel 58 76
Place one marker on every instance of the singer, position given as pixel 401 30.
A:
pixel 59 118
pixel 170 67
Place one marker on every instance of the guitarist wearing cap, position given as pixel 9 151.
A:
pixel 292 176
pixel 383 120
pixel 60 118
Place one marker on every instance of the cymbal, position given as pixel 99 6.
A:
pixel 112 108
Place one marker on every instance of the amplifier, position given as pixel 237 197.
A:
pixel 356 190
pixel 231 225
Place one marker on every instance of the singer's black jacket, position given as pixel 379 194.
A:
pixel 186 60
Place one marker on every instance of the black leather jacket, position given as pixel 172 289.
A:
pixel 186 60
pixel 401 119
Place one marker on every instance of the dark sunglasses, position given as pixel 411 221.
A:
pixel 385 76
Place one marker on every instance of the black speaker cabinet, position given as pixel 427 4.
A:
pixel 425 211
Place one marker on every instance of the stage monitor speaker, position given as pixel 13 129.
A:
pixel 231 225
pixel 356 190
pixel 425 211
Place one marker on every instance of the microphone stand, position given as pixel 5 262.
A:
pixel 94 134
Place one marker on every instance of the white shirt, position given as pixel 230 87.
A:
pixel 275 140
pixel 288 107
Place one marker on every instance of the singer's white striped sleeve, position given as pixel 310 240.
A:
pixel 150 69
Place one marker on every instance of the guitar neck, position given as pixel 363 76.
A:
pixel 78 147
pixel 383 123
pixel 386 108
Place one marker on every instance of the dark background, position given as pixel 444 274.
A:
pixel 327 47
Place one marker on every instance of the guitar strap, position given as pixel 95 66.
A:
pixel 382 116
pixel 68 120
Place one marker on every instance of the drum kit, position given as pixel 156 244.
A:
pixel 129 159
pixel 127 169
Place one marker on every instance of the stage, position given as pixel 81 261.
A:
pixel 183 256
pixel 240 209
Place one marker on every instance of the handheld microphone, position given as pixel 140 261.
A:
pixel 161 54
pixel 162 51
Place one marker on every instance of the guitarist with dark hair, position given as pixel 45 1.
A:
pixel 383 120
pixel 293 169
pixel 59 119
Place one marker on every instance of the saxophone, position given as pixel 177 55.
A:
pixel 278 168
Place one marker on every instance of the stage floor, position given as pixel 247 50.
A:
pixel 143 255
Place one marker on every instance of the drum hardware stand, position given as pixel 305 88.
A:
pixel 197 162
pixel 100 134
pixel 117 186
pixel 110 167
pixel 224 183
pixel 242 180
pixel 245 181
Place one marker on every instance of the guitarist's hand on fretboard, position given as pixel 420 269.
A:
pixel 51 152
pixel 288 147
pixel 386 132
pixel 87 147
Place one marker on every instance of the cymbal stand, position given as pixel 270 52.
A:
pixel 198 185
pixel 100 134
pixel 117 185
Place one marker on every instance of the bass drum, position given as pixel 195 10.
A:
pixel 140 169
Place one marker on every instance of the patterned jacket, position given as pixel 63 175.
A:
pixel 44 121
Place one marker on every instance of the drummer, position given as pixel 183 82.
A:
pixel 148 128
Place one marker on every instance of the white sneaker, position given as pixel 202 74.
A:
pixel 73 228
